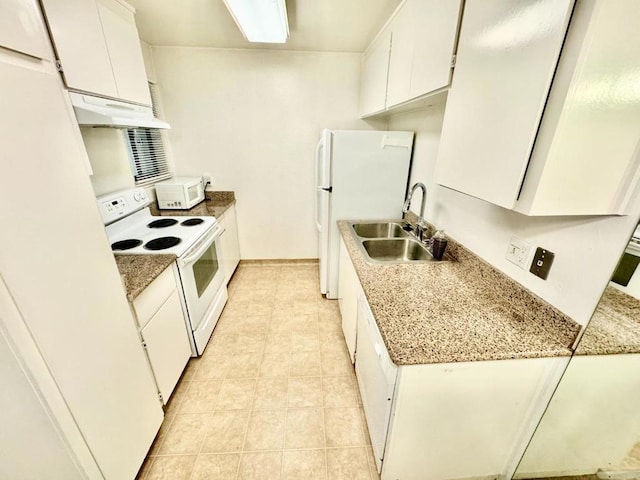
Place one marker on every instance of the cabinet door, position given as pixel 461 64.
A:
pixel 435 30
pixel 373 82
pixel 26 35
pixel 424 38
pixel 348 288
pixel 167 345
pixel 401 56
pixel 507 56
pixel 125 53
pixel 79 42
pixel 585 161
pixel 230 247
pixel 233 247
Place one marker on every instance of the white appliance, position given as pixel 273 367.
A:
pixel 104 112
pixel 179 193
pixel 360 174
pixel 132 230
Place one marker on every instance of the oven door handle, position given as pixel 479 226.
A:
pixel 198 249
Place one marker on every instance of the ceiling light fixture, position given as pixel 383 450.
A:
pixel 261 21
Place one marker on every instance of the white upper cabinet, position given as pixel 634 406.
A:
pixel 423 37
pixel 375 66
pixel 538 127
pixel 424 40
pixel 507 55
pixel 586 157
pixel 98 46
pixel 26 34
pixel 125 52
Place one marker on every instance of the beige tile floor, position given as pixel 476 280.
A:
pixel 273 397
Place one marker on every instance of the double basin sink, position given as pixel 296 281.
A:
pixel 389 242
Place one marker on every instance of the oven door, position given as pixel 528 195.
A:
pixel 202 279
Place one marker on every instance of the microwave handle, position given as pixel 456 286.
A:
pixel 202 246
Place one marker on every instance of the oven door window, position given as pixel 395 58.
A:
pixel 205 268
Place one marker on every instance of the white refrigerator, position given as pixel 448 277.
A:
pixel 360 174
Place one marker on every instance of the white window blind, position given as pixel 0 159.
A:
pixel 148 156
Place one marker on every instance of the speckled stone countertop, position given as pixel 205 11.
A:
pixel 614 327
pixel 458 311
pixel 138 271
pixel 215 204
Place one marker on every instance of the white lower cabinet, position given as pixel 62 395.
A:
pixel 442 421
pixel 230 243
pixel 348 289
pixel 163 331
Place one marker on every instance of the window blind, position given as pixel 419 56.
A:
pixel 148 156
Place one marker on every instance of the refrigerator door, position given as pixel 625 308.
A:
pixel 322 202
pixel 369 175
pixel 323 160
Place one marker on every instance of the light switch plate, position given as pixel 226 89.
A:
pixel 542 261
pixel 518 252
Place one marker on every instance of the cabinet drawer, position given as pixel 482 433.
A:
pixel 151 299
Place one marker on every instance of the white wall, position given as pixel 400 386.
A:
pixel 587 248
pixel 109 159
pixel 252 119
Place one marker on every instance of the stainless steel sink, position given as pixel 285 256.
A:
pixel 397 250
pixel 379 230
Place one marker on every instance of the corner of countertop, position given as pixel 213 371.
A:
pixel 138 271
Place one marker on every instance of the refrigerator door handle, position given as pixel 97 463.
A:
pixel 318 159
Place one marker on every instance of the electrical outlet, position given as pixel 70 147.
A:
pixel 518 252
pixel 206 180
pixel 542 261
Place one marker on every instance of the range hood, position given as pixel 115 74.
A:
pixel 103 112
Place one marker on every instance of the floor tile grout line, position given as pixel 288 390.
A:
pixel 250 409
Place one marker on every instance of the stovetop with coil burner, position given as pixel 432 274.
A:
pixel 133 230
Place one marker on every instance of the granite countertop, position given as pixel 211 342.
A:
pixel 458 311
pixel 215 204
pixel 614 327
pixel 138 271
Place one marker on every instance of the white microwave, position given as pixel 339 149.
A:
pixel 179 193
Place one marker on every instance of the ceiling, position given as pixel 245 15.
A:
pixel 315 25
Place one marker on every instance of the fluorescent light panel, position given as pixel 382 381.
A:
pixel 261 21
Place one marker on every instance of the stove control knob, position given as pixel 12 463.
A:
pixel 136 197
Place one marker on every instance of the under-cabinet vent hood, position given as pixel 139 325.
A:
pixel 103 112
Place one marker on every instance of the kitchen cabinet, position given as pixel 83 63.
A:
pixel 375 68
pixel 97 44
pixel 163 331
pixel 423 47
pixel 64 311
pixel 532 117
pixel 25 35
pixel 229 242
pixel 348 290
pixel 598 435
pixel 412 56
pixel 467 419
pixel 448 420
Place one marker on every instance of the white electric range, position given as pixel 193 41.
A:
pixel 132 230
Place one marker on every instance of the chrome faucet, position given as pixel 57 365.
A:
pixel 407 205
